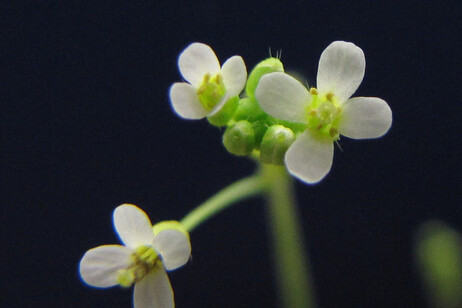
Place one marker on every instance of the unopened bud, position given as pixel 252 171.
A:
pixel 266 66
pixel 438 252
pixel 239 139
pixel 275 143
pixel 249 110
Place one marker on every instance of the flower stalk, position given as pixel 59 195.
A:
pixel 290 259
pixel 237 191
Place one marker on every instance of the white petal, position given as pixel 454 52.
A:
pixel 133 226
pixel 185 101
pixel 283 97
pixel 174 247
pixel 154 291
pixel 309 159
pixel 197 60
pixel 234 75
pixel 99 266
pixel 341 69
pixel 365 118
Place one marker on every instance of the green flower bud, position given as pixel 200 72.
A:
pixel 239 139
pixel 250 110
pixel 222 117
pixel 266 66
pixel 438 252
pixel 275 143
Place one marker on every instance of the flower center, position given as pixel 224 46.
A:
pixel 211 91
pixel 323 115
pixel 143 260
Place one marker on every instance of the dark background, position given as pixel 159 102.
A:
pixel 86 125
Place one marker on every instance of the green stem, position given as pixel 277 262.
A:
pixel 242 189
pixel 289 251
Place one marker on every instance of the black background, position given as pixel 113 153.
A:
pixel 86 125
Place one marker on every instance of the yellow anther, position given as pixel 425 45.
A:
pixel 143 260
pixel 203 87
pixel 207 78
pixel 333 132
pixel 330 96
pixel 323 114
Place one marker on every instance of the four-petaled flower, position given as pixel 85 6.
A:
pixel 208 85
pixel 142 261
pixel 327 111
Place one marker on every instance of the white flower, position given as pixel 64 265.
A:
pixel 327 111
pixel 208 85
pixel 142 261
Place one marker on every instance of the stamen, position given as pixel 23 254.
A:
pixel 333 131
pixel 322 115
pixel 330 97
pixel 211 91
pixel 143 260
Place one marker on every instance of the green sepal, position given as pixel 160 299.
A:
pixel 239 139
pixel 260 128
pixel 266 66
pixel 170 225
pixel 222 117
pixel 249 110
pixel 275 144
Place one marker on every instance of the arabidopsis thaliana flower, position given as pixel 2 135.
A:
pixel 142 260
pixel 208 85
pixel 327 111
